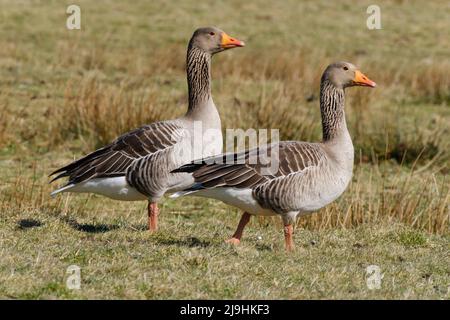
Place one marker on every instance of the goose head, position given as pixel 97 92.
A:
pixel 344 74
pixel 213 40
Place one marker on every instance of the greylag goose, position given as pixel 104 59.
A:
pixel 137 165
pixel 307 177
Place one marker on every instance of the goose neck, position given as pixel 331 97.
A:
pixel 332 111
pixel 198 69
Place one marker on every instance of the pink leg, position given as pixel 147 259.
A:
pixel 288 231
pixel 153 212
pixel 236 238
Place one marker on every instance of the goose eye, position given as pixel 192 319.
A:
pixel 345 68
pixel 212 33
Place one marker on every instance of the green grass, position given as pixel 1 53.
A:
pixel 188 258
pixel 61 94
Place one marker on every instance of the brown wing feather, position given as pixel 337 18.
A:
pixel 292 157
pixel 115 158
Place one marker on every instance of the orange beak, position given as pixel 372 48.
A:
pixel 229 42
pixel 361 80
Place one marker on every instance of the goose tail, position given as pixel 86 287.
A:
pixel 181 193
pixel 193 189
pixel 62 189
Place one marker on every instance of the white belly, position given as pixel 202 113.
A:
pixel 239 198
pixel 115 188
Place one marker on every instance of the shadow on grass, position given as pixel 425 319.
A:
pixel 25 224
pixel 89 228
pixel 186 242
pixel 139 227
pixel 263 247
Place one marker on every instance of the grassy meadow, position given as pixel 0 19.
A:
pixel 64 93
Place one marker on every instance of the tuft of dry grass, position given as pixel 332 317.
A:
pixel 430 83
pixel 97 112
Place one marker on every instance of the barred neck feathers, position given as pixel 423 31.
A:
pixel 332 110
pixel 198 68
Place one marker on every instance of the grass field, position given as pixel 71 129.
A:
pixel 65 92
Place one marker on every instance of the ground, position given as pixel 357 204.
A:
pixel 64 93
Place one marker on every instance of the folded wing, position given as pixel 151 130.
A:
pixel 114 159
pixel 254 167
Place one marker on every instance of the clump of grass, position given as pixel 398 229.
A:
pixel 97 112
pixel 411 238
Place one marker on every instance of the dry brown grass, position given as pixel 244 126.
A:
pixel 5 122
pixel 273 90
pixel 417 200
pixel 378 194
pixel 97 112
